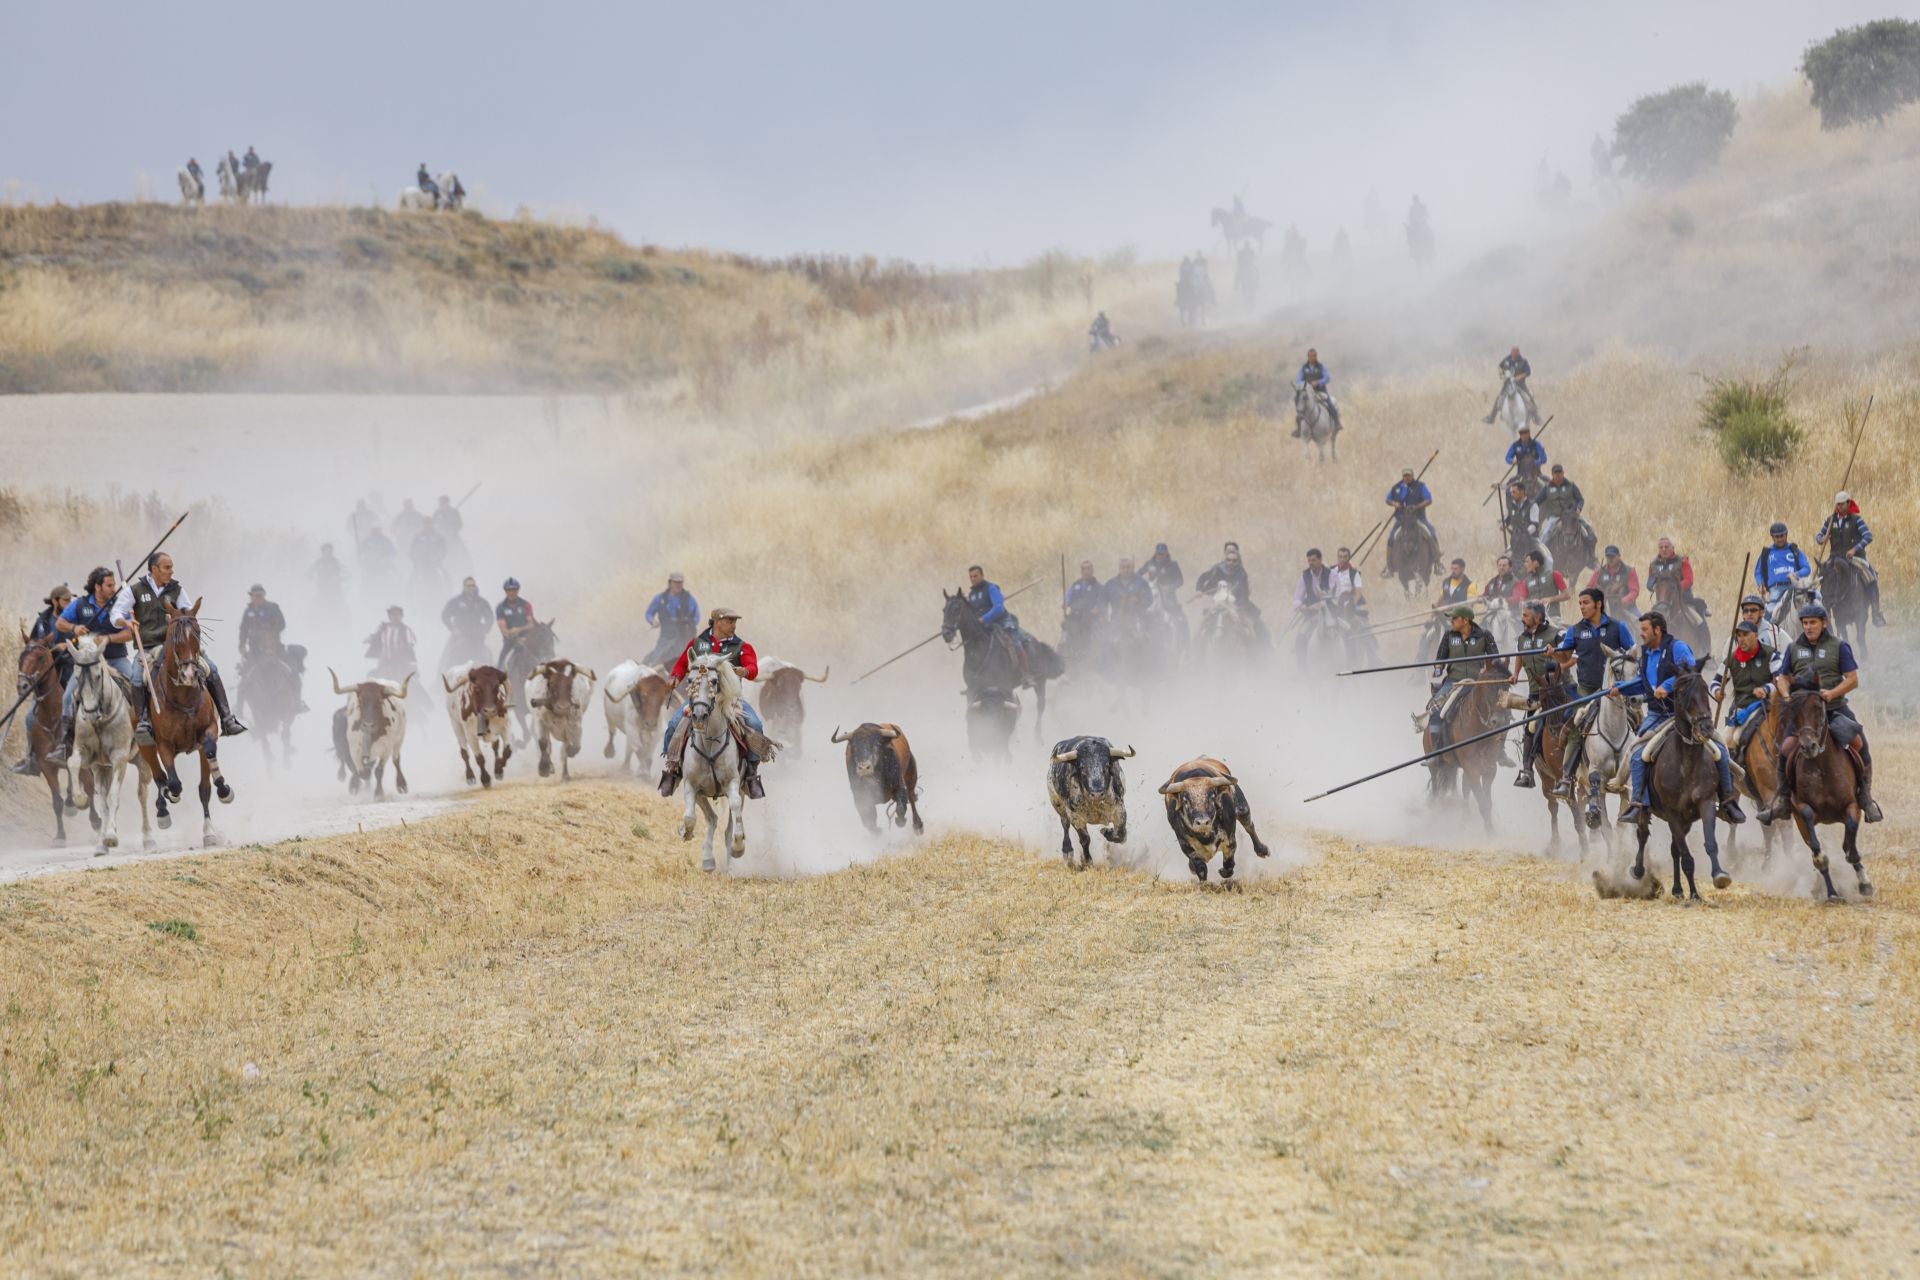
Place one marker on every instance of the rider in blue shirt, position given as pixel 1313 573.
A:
pixel 1662 659
pixel 1314 374
pixel 1526 456
pixel 1412 497
pixel 1779 565
pixel 1586 646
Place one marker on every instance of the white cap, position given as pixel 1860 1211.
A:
pixel 1842 497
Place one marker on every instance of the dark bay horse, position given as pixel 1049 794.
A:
pixel 1684 786
pixel 39 682
pixel 994 660
pixel 1554 694
pixel 1470 768
pixel 184 722
pixel 1823 786
pixel 1413 555
pixel 1759 760
pixel 1844 591
pixel 269 693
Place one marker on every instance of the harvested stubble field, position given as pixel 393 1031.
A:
pixel 531 1037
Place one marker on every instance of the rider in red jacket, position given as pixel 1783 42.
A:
pixel 720 637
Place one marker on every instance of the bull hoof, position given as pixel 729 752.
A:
pixel 739 848
pixel 1638 873
pixel 211 840
pixel 353 788
pixel 486 782
pixel 1594 818
pixel 1112 836
pixel 546 768
pixel 1722 880
pixel 686 833
pixel 59 842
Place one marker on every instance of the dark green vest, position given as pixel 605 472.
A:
pixel 1537 643
pixel 150 610
pixel 1478 640
pixel 1539 586
pixel 1817 665
pixel 1748 677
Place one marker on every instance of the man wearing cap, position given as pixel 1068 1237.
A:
pixel 514 617
pixel 1781 567
pixel 142 606
pixel 677 615
pixel 391 646
pixel 1162 573
pixel 1821 660
pixel 1848 529
pixel 1754 609
pixel 1231 573
pixel 1619 582
pixel 1559 500
pixel 1662 658
pixel 1583 651
pixel 1749 674
pixel 90 612
pixel 467 617
pixel 1409 500
pixel 1527 456
pixel 721 637
pixel 261 626
pixel 1536 641
pixel 1465 638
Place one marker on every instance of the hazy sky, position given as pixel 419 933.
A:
pixel 963 133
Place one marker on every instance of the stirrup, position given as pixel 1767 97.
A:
pixel 143 733
pixel 1730 811
pixel 755 789
pixel 26 768
pixel 1633 813
pixel 230 727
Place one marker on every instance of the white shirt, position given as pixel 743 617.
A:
pixel 1345 581
pixel 122 614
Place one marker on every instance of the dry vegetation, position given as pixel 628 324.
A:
pixel 532 1037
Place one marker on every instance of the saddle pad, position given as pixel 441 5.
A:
pixel 1656 741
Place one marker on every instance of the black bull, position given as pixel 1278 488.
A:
pixel 1085 784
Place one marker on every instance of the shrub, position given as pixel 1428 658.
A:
pixel 625 270
pixel 1664 138
pixel 175 929
pixel 1865 72
pixel 1749 420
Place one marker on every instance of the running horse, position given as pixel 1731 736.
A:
pixel 1238 227
pixel 269 693
pixel 1823 787
pixel 184 722
pixel 1470 768
pixel 1843 588
pixel 525 658
pixel 1682 783
pixel 1684 620
pixel 1413 554
pixel 1315 420
pixel 994 659
pixel 39 682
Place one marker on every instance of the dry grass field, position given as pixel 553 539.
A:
pixel 532 1037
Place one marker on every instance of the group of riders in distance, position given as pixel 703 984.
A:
pixel 242 178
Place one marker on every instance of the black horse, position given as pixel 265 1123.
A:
pixel 1844 589
pixel 1684 786
pixel 995 659
pixel 1413 554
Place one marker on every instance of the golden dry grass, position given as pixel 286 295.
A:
pixel 531 1037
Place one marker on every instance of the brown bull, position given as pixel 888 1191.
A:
pixel 478 702
pixel 881 770
pixel 777 693
pixel 1204 804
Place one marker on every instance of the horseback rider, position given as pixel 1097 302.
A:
pixel 250 161
pixel 676 614
pixel 455 192
pixel 446 519
pixel 142 606
pixel 1083 609
pixel 514 618
pixel 1537 640
pixel 1822 660
pixel 1232 574
pixel 1782 566
pixel 1750 672
pixel 1410 500
pixel 1670 566
pixel 199 178
pixel 467 617
pixel 1754 609
pixel 1848 529
pixel 1559 500
pixel 1662 658
pixel 391 646
pixel 1542 585
pixel 1465 638
pixel 1456 587
pixel 429 555
pixel 1162 573
pixel 1102 332
pixel 261 628
pixel 1526 456
pixel 89 613
pixel 1314 374
pixel 721 637
pixel 1583 650
pixel 1313 593
pixel 1349 592
pixel 1521 523
pixel 427 185
pixel 989 604
pixel 1619 581
pixel 1515 366
pixel 1127 594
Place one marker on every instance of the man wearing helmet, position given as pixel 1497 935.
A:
pixel 1848 529
pixel 1753 609
pixel 1782 566
pixel 514 616
pixel 677 614
pixel 1822 660
pixel 1515 366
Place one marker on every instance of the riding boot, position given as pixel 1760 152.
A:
pixel 1730 812
pixel 143 706
pixel 1296 428
pixel 1863 765
pixel 1783 798
pixel 676 749
pixel 64 747
pixel 1873 602
pixel 28 766
pixel 750 779
pixel 1528 751
pixel 230 726
pixel 1637 805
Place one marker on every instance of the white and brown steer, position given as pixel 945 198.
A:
pixel 369 731
pixel 477 704
pixel 558 692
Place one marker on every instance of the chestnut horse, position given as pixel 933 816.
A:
pixel 1471 766
pixel 183 721
pixel 1823 786
pixel 39 681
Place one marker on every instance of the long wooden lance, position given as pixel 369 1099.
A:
pixel 1826 552
pixel 1733 633
pixel 930 639
pixel 1501 484
pixel 469 494
pixel 1464 742
pixel 7 719
pixel 1368 543
pixel 142 561
pixel 1442 662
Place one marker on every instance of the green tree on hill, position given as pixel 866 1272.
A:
pixel 1865 72
pixel 1664 138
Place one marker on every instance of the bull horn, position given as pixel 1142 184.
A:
pixel 819 679
pixel 336 683
pixel 444 683
pixel 1121 755
pixel 591 678
pixel 889 734
pixel 1167 788
pixel 1066 757
pixel 1224 780
pixel 406 682
pixel 837 735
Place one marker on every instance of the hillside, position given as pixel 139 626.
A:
pixel 151 297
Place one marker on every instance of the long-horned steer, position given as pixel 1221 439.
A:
pixel 1086 786
pixel 477 703
pixel 1204 805
pixel 558 691
pixel 779 696
pixel 881 770
pixel 372 726
pixel 634 695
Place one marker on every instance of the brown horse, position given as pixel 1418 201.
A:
pixel 1760 761
pixel 1683 622
pixel 1683 784
pixel 1823 786
pixel 1553 741
pixel 39 681
pixel 184 721
pixel 1473 766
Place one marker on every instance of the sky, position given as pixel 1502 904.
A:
pixel 964 135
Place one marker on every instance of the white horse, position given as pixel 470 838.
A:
pixel 452 198
pixel 103 744
pixel 229 181
pixel 190 191
pixel 712 764
pixel 1513 408
pixel 1316 424
pixel 1603 768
